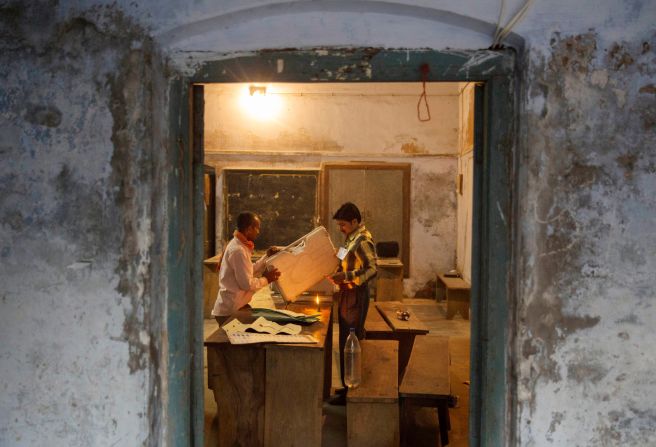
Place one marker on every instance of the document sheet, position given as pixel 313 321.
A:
pixel 269 331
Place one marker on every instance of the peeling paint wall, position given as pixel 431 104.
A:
pixel 78 205
pixel 586 334
pixel 378 119
pixel 81 213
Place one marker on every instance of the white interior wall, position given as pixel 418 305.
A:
pixel 466 182
pixel 318 123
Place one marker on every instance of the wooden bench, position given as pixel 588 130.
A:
pixel 426 383
pixel 457 296
pixel 372 409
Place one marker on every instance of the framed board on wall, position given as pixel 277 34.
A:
pixel 285 200
pixel 382 193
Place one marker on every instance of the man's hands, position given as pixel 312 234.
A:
pixel 338 278
pixel 272 275
pixel 273 250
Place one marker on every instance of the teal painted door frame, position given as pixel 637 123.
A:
pixel 492 392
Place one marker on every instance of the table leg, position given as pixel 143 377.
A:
pixel 328 359
pixel 444 421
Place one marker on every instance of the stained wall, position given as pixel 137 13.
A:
pixel 82 107
pixel 81 197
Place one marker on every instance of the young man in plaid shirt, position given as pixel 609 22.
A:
pixel 357 267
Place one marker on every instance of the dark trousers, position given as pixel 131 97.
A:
pixel 353 307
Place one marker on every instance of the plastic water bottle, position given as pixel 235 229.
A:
pixel 352 361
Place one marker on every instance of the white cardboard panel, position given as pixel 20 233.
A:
pixel 304 263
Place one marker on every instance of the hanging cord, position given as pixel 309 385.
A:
pixel 502 32
pixel 425 69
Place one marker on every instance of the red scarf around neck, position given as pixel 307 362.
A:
pixel 243 239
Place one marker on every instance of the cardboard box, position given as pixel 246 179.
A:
pixel 304 263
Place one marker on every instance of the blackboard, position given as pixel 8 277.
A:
pixel 286 202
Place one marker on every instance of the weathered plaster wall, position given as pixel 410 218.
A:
pixel 328 118
pixel 78 87
pixel 79 215
pixel 586 309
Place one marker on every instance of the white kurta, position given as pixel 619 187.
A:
pixel 237 278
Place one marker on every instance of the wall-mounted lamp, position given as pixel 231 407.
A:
pixel 257 90
pixel 260 102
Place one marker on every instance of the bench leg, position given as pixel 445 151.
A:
pixel 445 422
pixel 407 419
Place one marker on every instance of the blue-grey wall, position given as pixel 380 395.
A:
pixel 83 197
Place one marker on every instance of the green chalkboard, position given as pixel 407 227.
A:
pixel 286 201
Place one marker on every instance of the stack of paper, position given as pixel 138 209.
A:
pixel 285 316
pixel 244 338
pixel 271 332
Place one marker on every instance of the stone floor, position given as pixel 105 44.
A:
pixel 334 426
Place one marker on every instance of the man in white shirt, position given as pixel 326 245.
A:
pixel 239 278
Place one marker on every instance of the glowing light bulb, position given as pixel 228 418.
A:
pixel 259 102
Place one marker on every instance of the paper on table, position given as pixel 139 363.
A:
pixel 262 325
pixel 243 338
pixel 286 316
pixel 291 313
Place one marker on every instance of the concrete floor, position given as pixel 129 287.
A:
pixel 334 425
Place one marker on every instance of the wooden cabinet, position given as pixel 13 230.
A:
pixel 389 279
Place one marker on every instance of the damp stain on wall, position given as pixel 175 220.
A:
pixel 82 140
pixel 585 181
pixel 438 203
pixel 413 147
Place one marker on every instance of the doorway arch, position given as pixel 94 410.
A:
pixel 492 395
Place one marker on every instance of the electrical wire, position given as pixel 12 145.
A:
pixel 502 32
pixel 498 29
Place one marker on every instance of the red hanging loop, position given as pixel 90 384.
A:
pixel 424 69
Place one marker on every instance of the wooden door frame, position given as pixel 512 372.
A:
pixel 493 329
pixel 405 168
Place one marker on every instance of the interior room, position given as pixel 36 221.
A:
pixel 402 151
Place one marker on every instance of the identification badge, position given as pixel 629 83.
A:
pixel 341 253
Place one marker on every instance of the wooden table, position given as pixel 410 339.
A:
pixel 457 296
pixel 403 331
pixel 271 394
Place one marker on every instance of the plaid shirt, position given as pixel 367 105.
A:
pixel 359 264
